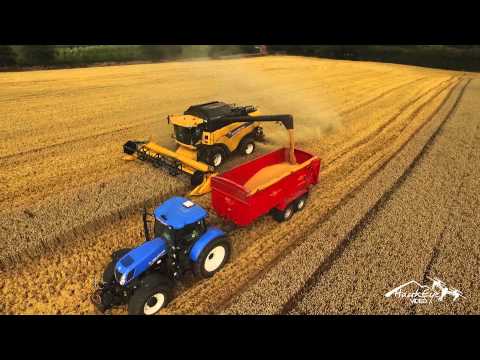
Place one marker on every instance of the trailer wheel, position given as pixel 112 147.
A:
pixel 154 293
pixel 284 215
pixel 300 203
pixel 247 147
pixel 212 258
pixel 109 272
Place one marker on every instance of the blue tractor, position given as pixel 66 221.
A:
pixel 144 277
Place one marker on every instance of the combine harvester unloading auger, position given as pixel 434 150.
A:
pixel 206 135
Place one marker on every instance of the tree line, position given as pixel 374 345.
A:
pixel 454 57
pixel 79 55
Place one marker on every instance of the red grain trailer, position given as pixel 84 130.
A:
pixel 268 184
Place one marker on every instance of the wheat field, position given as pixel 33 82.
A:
pixel 68 200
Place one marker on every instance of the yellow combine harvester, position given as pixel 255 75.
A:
pixel 206 136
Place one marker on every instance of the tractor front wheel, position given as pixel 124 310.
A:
pixel 153 294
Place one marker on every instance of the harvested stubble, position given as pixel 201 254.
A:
pixel 427 228
pixel 279 289
pixel 355 113
pixel 456 257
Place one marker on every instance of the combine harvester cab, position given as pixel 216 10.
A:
pixel 269 184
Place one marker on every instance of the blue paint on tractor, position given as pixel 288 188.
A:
pixel 172 241
pixel 178 212
pixel 210 235
pixel 137 261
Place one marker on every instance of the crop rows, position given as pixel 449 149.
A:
pixel 68 193
pixel 320 248
pixel 410 232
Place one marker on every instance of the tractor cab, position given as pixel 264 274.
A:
pixel 179 221
pixel 178 224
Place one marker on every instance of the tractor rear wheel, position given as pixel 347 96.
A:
pixel 109 272
pixel 212 258
pixel 153 294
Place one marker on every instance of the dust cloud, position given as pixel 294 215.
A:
pixel 310 104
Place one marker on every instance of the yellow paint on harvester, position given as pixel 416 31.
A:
pixel 193 164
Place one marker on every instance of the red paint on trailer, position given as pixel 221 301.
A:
pixel 232 201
